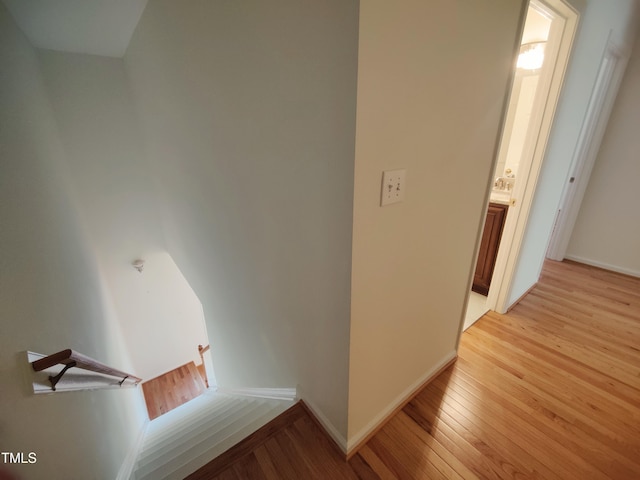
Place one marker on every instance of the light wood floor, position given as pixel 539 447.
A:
pixel 172 389
pixel 549 391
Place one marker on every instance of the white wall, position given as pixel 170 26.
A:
pixel 160 316
pixel 107 164
pixel 165 319
pixel 52 294
pixel 248 111
pixel 607 231
pixel 432 81
pixel 599 19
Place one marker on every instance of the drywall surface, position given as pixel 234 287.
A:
pixel 600 20
pixel 92 105
pixel 160 316
pixel 432 82
pixel 607 231
pixel 52 294
pixel 164 319
pixel 248 110
pixel 100 28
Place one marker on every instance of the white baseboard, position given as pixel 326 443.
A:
pixel 126 469
pixel 274 393
pixel 605 266
pixel 383 416
pixel 333 432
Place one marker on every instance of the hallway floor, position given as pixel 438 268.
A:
pixel 550 390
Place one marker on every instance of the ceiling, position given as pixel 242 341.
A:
pixel 98 27
pixel 105 27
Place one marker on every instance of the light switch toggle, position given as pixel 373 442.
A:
pixel 393 186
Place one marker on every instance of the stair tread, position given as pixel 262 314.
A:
pixel 179 427
pixel 189 411
pixel 205 457
pixel 195 435
pixel 202 452
pixel 199 434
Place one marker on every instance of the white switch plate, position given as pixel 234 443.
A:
pixel 393 187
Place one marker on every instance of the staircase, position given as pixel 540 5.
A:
pixel 183 440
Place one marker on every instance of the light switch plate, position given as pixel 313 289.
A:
pixel 393 186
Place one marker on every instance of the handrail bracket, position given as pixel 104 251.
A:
pixel 55 379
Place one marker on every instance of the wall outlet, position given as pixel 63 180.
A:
pixel 393 187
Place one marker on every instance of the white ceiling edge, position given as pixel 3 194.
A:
pixel 97 27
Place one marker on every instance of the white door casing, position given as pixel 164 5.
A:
pixel 612 67
pixel 563 28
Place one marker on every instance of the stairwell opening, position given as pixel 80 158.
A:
pixel 163 324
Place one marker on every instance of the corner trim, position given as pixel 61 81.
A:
pixel 126 469
pixel 339 441
pixel 521 297
pixel 604 266
pixel 274 393
pixel 365 434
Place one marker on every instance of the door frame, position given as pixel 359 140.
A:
pixel 612 67
pixel 561 36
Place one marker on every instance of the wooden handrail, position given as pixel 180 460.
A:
pixel 201 351
pixel 70 359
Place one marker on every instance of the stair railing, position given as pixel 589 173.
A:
pixel 71 359
pixel 202 350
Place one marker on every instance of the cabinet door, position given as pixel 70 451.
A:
pixel 489 247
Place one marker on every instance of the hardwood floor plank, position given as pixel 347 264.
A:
pixel 551 406
pixel 305 435
pixel 417 456
pixel 476 455
pixel 550 390
pixel 587 357
pixel 172 389
pixel 301 463
pixel 285 467
pixel 362 469
pixel 559 375
pixel 376 464
pixel 266 463
pixel 249 468
pixel 495 432
pixel 249 444
pixel 392 463
pixel 228 474
pixel 591 450
pixel 443 460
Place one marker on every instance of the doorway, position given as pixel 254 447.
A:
pixel 605 90
pixel 545 46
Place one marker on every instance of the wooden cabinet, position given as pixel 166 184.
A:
pixel 496 216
